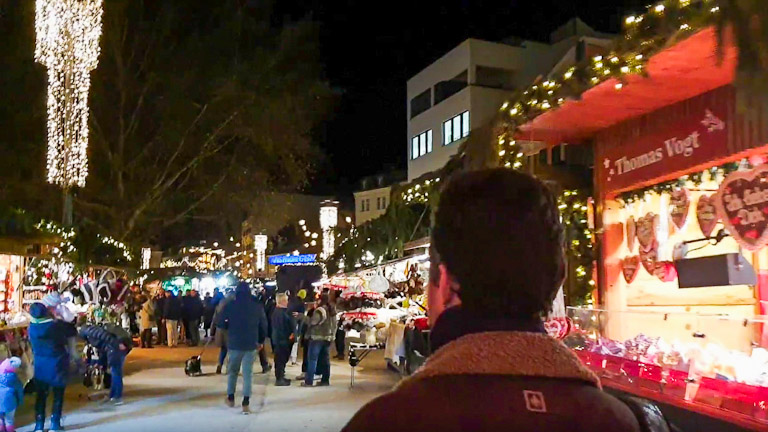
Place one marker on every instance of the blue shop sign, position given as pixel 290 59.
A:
pixel 292 259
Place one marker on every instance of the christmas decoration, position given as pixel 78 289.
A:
pixel 647 228
pixel 649 257
pixel 630 266
pixel 67 43
pixel 679 204
pixel 631 233
pixel 706 214
pixel 742 205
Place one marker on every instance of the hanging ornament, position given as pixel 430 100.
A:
pixel 742 205
pixel 631 233
pixel 679 204
pixel 630 266
pixel 665 271
pixel 706 214
pixel 647 227
pixel 649 257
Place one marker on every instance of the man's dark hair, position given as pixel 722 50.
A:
pixel 498 232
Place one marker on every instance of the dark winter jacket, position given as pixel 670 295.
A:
pixel 172 308
pixel 11 392
pixel 209 308
pixel 49 346
pixel 283 326
pixel 495 381
pixel 245 321
pixel 160 308
pixel 107 340
pixel 192 308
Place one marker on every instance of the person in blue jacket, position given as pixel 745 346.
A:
pixel 114 344
pixel 11 392
pixel 51 352
pixel 246 325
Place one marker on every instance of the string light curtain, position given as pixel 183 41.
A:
pixel 328 220
pixel 67 44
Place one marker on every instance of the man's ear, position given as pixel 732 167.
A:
pixel 449 288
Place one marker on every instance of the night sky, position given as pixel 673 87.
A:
pixel 371 49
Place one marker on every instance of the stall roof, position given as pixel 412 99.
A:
pixel 680 72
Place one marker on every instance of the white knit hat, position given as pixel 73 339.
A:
pixel 52 300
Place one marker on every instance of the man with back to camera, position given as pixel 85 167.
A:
pixel 496 265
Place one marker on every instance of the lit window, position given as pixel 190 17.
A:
pixel 421 144
pixel 456 128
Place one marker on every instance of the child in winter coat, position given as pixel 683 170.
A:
pixel 11 393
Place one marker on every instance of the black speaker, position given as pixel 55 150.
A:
pixel 716 270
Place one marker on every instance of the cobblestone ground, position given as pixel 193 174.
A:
pixel 160 397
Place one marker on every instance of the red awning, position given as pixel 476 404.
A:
pixel 687 69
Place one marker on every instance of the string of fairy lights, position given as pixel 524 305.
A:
pixel 67 44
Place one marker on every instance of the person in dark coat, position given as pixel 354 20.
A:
pixel 51 353
pixel 112 343
pixel 172 314
pixel 246 325
pixel 160 318
pixel 208 310
pixel 487 334
pixel 261 301
pixel 192 312
pixel 283 337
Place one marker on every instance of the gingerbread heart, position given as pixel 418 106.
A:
pixel 665 271
pixel 646 230
pixel 649 257
pixel 679 204
pixel 742 205
pixel 706 214
pixel 630 267
pixel 631 233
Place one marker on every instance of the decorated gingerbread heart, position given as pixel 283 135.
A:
pixel 646 230
pixel 706 214
pixel 679 204
pixel 631 233
pixel 665 271
pixel 649 257
pixel 630 267
pixel 742 205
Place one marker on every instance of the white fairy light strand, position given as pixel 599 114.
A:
pixel 67 43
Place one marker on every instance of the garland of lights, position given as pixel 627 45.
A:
pixel 696 179
pixel 579 244
pixel 67 44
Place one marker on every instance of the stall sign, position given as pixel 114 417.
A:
pixel 742 205
pixel 292 259
pixel 672 140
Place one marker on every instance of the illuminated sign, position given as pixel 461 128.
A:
pixel 292 259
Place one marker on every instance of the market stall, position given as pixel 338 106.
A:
pixel 681 192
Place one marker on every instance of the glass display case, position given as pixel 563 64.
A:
pixel 714 364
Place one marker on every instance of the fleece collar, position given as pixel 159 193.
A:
pixel 505 353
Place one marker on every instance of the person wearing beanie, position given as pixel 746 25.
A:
pixel 246 325
pixel 49 339
pixel 11 392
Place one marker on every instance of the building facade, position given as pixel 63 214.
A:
pixel 463 90
pixel 372 203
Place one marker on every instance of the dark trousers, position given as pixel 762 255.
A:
pixel 193 331
pixel 319 361
pixel 341 336
pixel 42 390
pixel 282 353
pixel 146 338
pixel 304 355
pixel 263 358
pixel 162 333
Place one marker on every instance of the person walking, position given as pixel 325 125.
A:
pixel 51 358
pixel 172 314
pixel 283 337
pixel 159 318
pixel 322 329
pixel 220 336
pixel 246 326
pixel 114 344
pixel 208 310
pixel 488 337
pixel 147 322
pixel 194 310
pixel 296 306
pixel 11 393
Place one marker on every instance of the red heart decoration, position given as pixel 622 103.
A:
pixel 706 214
pixel 630 267
pixel 631 233
pixel 742 205
pixel 646 231
pixel 665 271
pixel 679 204
pixel 649 257
pixel 558 328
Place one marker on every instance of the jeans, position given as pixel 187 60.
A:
pixel 239 358
pixel 173 332
pixel 116 362
pixel 42 390
pixel 319 361
pixel 282 352
pixel 7 418
pixel 193 331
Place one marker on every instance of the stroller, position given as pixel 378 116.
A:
pixel 96 376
